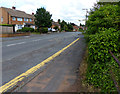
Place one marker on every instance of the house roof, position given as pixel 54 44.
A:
pixel 55 24
pixel 76 27
pixel 18 13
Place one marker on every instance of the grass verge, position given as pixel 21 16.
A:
pixel 82 72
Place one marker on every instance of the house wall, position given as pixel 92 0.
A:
pixel 20 22
pixel 17 23
pixel 54 26
pixel 4 14
pixel 10 19
pixel 7 19
pixel 0 15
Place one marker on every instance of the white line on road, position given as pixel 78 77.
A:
pixel 21 43
pixel 33 41
pixel 37 39
pixel 27 36
pixel 15 44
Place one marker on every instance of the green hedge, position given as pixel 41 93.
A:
pixel 6 25
pixel 26 29
pixel 100 61
pixel 106 16
pixel 43 30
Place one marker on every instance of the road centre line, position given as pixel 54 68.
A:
pixel 21 43
pixel 37 40
pixel 32 40
pixel 27 36
pixel 15 44
pixel 32 70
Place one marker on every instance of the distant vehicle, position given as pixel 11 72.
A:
pixel 51 29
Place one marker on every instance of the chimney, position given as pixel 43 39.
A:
pixel 13 7
pixel 32 13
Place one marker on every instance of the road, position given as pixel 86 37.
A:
pixel 22 53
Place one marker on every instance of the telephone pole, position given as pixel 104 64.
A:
pixel 85 17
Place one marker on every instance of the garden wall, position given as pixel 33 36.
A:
pixel 6 29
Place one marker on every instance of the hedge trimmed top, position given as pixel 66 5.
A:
pixel 6 25
pixel 107 16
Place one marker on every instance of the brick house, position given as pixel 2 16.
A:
pixel 54 24
pixel 16 18
pixel 76 28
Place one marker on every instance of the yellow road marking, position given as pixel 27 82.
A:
pixel 13 82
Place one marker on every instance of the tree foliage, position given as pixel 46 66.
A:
pixel 43 18
pixel 70 27
pixel 59 21
pixel 82 24
pixel 66 26
pixel 106 16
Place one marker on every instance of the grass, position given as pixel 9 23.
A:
pixel 83 70
pixel 35 33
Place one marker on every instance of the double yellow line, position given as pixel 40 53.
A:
pixel 14 82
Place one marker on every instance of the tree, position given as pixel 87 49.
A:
pixel 70 27
pixel 63 25
pixel 66 26
pixel 73 24
pixel 43 18
pixel 82 24
pixel 59 21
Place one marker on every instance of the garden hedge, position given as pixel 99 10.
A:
pixel 100 61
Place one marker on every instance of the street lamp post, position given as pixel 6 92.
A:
pixel 82 20
pixel 85 17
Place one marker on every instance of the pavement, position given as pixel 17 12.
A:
pixel 22 53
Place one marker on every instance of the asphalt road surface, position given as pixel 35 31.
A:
pixel 22 53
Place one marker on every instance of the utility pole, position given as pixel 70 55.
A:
pixel 82 20
pixel 85 17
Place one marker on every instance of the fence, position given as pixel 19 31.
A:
pixel 112 74
pixel 6 29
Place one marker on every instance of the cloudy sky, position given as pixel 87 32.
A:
pixel 68 10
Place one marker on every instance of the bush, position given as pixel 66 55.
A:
pixel 27 29
pixel 103 23
pixel 106 16
pixel 19 30
pixel 100 61
pixel 80 29
pixel 36 30
pixel 43 30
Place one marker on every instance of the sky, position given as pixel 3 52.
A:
pixel 68 10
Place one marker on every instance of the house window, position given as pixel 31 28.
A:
pixel 1 19
pixel 25 19
pixel 13 18
pixel 19 19
pixel 19 26
pixel 30 20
